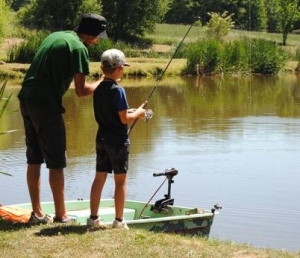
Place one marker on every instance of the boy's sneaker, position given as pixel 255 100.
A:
pixel 95 223
pixel 34 219
pixel 118 224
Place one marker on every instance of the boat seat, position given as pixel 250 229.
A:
pixel 107 214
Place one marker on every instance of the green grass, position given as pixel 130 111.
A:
pixel 173 34
pixel 139 67
pixel 76 241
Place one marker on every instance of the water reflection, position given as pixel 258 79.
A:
pixel 233 141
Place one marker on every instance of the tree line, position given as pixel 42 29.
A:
pixel 130 20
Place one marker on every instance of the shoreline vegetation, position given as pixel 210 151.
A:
pixel 239 53
pixel 139 68
pixel 77 241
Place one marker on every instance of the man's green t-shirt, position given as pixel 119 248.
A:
pixel 60 56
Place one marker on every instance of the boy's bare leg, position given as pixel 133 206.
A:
pixel 57 184
pixel 120 194
pixel 34 187
pixel 96 192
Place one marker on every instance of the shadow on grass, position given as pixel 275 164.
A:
pixel 65 229
pixel 6 225
pixel 49 229
pixel 55 230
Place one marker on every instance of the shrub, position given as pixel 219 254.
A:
pixel 25 51
pixel 219 25
pixel 235 58
pixel 203 57
pixel 241 56
pixel 5 19
pixel 266 57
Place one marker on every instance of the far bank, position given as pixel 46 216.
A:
pixel 139 67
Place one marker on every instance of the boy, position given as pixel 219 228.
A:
pixel 112 114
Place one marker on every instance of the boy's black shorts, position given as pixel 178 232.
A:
pixel 45 136
pixel 110 158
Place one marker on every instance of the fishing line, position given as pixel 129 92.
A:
pixel 150 112
pixel 146 205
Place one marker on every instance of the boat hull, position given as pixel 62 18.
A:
pixel 173 219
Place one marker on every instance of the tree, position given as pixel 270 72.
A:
pixel 219 25
pixel 186 10
pixel 258 15
pixel 56 14
pixel 288 14
pixel 273 24
pixel 17 4
pixel 4 18
pixel 181 11
pixel 129 20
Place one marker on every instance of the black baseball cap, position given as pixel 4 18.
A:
pixel 92 24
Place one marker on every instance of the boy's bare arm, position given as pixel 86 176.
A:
pixel 129 115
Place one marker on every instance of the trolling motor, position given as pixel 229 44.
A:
pixel 163 205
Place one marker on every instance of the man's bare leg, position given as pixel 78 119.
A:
pixel 34 187
pixel 57 184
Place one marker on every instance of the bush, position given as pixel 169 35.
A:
pixel 25 51
pixel 235 58
pixel 96 51
pixel 4 19
pixel 203 57
pixel 242 56
pixel 266 57
pixel 219 25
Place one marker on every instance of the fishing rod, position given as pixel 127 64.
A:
pixel 149 113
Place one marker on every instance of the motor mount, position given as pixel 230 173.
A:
pixel 163 205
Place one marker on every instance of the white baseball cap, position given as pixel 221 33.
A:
pixel 113 58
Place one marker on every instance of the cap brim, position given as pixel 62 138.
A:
pixel 103 35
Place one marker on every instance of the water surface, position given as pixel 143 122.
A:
pixel 234 141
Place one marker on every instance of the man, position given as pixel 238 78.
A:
pixel 62 57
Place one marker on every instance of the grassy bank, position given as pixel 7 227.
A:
pixel 138 67
pixel 75 241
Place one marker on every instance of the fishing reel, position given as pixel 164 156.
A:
pixel 148 115
pixel 163 205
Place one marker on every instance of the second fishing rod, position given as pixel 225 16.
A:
pixel 159 79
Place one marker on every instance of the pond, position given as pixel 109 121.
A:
pixel 234 141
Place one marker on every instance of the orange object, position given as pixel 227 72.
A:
pixel 14 214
